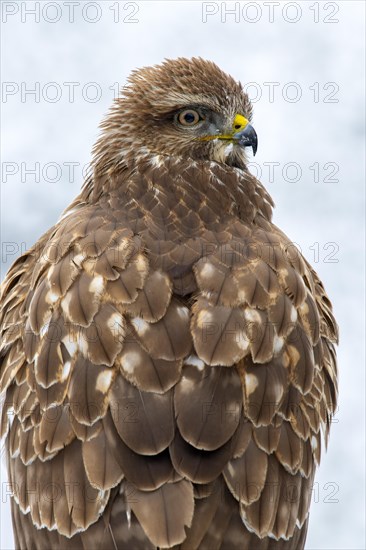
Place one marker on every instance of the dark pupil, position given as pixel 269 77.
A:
pixel 189 118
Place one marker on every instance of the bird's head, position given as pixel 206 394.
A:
pixel 183 107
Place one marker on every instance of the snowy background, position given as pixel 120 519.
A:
pixel 303 64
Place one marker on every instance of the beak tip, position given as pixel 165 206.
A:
pixel 248 138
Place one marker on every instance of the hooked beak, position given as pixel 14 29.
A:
pixel 242 133
pixel 247 138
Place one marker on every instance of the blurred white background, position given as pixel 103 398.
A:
pixel 303 64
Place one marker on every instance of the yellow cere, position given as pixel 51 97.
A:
pixel 239 123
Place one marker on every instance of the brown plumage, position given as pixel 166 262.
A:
pixel 167 359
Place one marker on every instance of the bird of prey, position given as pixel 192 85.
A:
pixel 167 354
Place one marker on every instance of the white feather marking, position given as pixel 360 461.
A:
pixel 52 297
pixel 293 314
pixel 130 360
pixel 156 161
pixel 70 344
pixel 141 263
pixel 128 514
pixel 242 341
pixel 104 380
pixel 82 343
pixel 207 270
pixel 194 361
pixel 204 317
pixel 251 383
pixel 65 371
pixel 116 324
pixel 314 442
pixel 65 304
pixel 45 327
pixel 183 312
pixel 140 325
pixel 252 315
pixel 278 343
pixel 67 214
pixel 229 149
pixel 78 259
pixel 96 285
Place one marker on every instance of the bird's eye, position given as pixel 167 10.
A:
pixel 189 117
